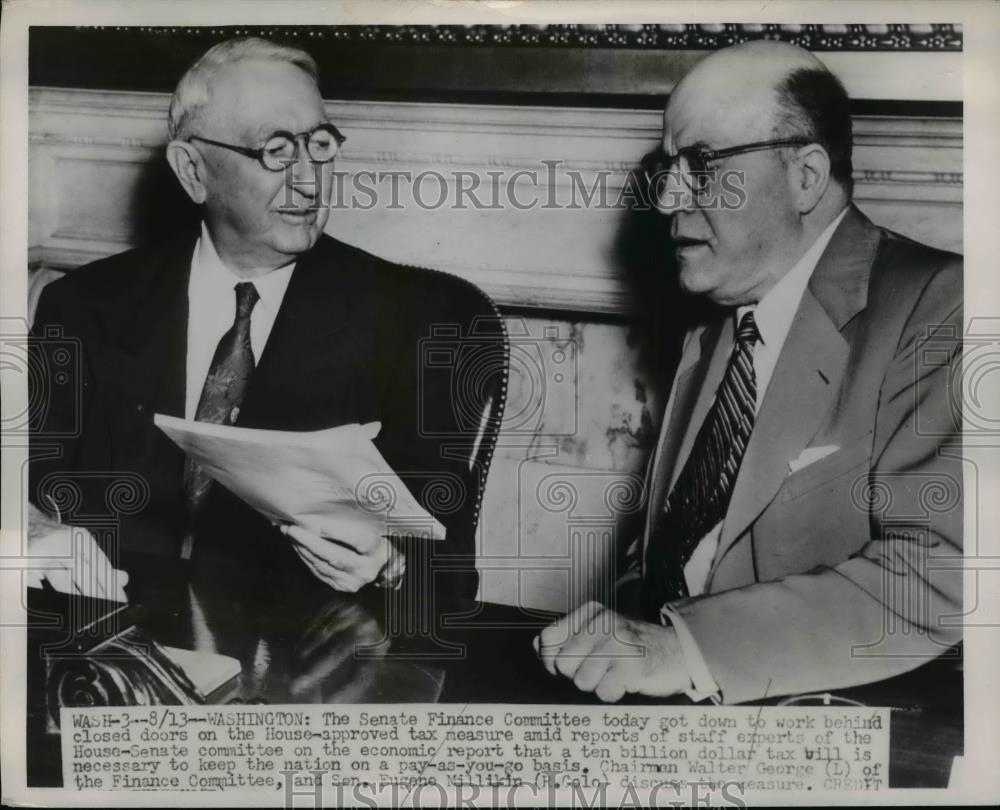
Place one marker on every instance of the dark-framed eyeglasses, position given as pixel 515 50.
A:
pixel 282 148
pixel 658 164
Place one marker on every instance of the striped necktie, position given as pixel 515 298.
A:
pixel 225 385
pixel 700 496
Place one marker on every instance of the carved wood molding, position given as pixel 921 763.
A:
pixel 137 121
pixel 907 170
pixel 910 69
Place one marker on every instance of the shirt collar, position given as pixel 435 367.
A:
pixel 210 274
pixel 774 312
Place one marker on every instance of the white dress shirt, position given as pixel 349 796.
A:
pixel 773 315
pixel 212 311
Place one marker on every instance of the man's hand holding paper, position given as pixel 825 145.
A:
pixel 347 554
pixel 331 490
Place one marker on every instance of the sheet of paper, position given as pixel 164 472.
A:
pixel 323 480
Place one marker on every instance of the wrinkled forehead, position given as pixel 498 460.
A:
pixel 256 97
pixel 717 114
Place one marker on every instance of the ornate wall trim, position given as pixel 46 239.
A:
pixel 139 121
pixel 599 66
pixel 815 37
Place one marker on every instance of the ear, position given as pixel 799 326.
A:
pixel 189 167
pixel 809 176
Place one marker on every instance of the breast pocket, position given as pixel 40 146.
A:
pixel 818 518
pixel 850 458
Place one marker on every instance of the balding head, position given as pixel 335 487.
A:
pixel 765 89
pixel 745 74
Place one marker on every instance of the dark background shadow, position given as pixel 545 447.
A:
pixel 662 312
pixel 160 208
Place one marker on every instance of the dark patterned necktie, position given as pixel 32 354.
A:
pixel 700 497
pixel 225 385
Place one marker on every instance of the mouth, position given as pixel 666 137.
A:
pixel 684 245
pixel 299 216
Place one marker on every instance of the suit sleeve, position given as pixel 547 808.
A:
pixel 897 602
pixel 59 389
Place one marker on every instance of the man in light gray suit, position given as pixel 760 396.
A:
pixel 804 528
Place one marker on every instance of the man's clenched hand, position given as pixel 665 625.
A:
pixel 610 655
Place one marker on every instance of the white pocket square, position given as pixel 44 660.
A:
pixel 810 456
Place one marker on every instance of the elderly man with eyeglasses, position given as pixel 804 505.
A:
pixel 257 320
pixel 804 526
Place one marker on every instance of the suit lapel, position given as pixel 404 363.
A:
pixel 716 346
pixel 316 307
pixel 698 375
pixel 808 375
pixel 801 391
pixel 152 349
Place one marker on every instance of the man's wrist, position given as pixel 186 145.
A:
pixel 703 685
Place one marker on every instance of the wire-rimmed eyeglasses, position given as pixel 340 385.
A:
pixel 282 148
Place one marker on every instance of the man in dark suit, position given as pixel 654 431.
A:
pixel 804 526
pixel 262 321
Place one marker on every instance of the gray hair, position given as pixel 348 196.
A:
pixel 192 93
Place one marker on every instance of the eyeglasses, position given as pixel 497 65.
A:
pixel 282 148
pixel 657 165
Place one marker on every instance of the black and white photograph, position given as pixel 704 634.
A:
pixel 499 403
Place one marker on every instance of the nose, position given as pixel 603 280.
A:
pixel 672 192
pixel 306 177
